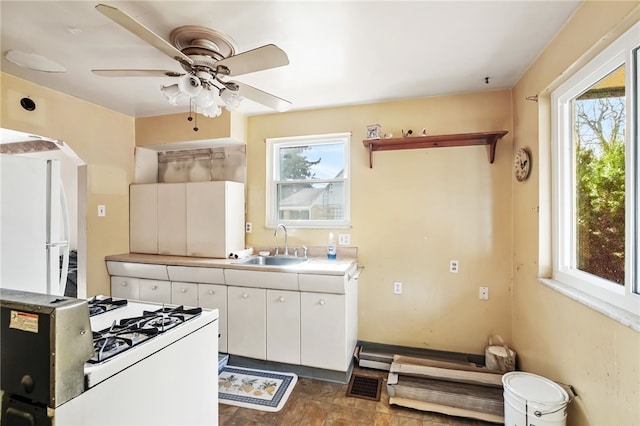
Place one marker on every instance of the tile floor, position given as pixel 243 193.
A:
pixel 315 402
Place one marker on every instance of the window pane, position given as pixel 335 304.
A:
pixel 322 161
pixel 304 201
pixel 599 124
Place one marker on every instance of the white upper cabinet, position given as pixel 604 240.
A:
pixel 143 218
pixel 202 219
pixel 172 219
pixel 215 218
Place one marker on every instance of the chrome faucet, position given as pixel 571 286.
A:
pixel 286 245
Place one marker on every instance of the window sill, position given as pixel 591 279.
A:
pixel 622 316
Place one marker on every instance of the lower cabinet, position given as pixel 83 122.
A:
pixel 157 291
pixel 125 287
pixel 329 328
pixel 246 326
pixel 283 326
pixel 214 296
pixel 184 294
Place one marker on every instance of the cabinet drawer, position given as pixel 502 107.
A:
pixel 336 284
pixel 155 291
pixel 192 274
pixel 261 279
pixel 184 294
pixel 138 270
pixel 125 287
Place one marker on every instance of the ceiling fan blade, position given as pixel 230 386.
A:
pixel 128 23
pixel 136 73
pixel 261 58
pixel 261 97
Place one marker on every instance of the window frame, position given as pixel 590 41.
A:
pixel 272 166
pixel 623 51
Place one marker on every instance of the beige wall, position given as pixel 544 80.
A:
pixel 413 212
pixel 555 336
pixel 104 140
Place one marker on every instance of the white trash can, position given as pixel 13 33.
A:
pixel 531 400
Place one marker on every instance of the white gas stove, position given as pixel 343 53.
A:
pixel 153 364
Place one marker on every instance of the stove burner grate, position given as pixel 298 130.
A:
pixel 111 341
pixel 100 305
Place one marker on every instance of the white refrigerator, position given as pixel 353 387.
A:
pixel 34 228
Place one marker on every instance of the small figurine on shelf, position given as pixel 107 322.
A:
pixel 374 131
pixel 407 133
pixel 423 132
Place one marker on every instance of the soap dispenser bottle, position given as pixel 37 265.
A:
pixel 331 247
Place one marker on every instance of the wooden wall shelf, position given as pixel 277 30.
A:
pixel 414 142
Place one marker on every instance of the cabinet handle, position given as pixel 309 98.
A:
pixel 211 292
pixel 322 302
pixel 155 287
pixel 281 299
pixel 124 284
pixel 245 295
pixel 183 290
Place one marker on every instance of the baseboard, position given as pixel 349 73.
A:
pixel 300 370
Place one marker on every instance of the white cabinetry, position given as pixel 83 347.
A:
pixel 172 219
pixel 328 323
pixel 214 296
pixel 283 326
pixel 125 287
pixel 215 218
pixel 203 219
pixel 143 218
pixel 204 287
pixel 247 322
pixel 184 293
pixel 155 291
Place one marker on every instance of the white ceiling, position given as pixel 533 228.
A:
pixel 340 52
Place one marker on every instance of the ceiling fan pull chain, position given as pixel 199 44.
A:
pixel 195 114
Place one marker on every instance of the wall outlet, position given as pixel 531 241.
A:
pixel 102 210
pixel 344 239
pixel 454 266
pixel 248 227
pixel 397 287
pixel 483 293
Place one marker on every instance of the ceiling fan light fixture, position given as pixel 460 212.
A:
pixel 172 93
pixel 231 99
pixel 189 85
pixel 213 111
pixel 205 99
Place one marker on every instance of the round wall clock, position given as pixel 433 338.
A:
pixel 522 164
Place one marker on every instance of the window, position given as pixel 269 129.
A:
pixel 595 176
pixel 308 181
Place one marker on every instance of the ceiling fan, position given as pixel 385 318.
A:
pixel 208 58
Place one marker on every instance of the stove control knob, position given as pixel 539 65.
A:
pixel 27 383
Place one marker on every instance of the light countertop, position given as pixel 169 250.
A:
pixel 316 265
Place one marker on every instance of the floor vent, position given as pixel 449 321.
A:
pixel 364 387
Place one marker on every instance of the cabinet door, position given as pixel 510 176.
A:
pixel 215 218
pixel 247 331
pixel 143 218
pixel 172 219
pixel 155 291
pixel 323 340
pixel 184 294
pixel 125 288
pixel 283 326
pixel 214 296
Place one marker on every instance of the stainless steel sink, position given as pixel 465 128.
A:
pixel 273 261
